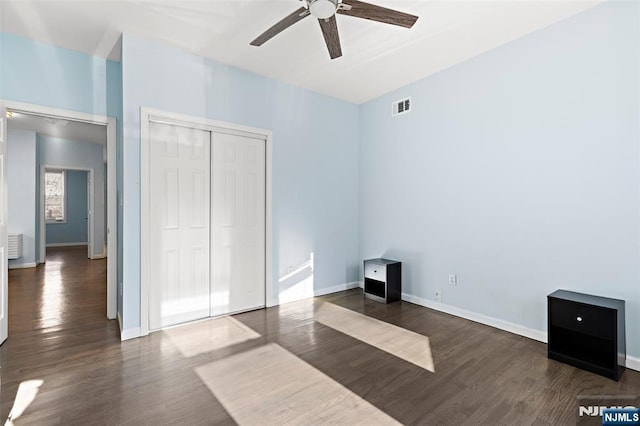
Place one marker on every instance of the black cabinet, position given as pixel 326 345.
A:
pixel 587 332
pixel 383 280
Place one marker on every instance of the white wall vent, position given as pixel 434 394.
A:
pixel 15 246
pixel 401 107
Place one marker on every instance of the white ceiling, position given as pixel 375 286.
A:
pixel 377 58
pixel 64 129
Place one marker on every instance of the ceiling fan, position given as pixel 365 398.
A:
pixel 325 11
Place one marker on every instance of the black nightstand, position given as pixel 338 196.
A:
pixel 383 280
pixel 587 332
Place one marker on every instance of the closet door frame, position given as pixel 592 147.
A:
pixel 148 115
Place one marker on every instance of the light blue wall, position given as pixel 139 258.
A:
pixel 42 74
pixel 315 156
pixel 21 195
pixel 65 153
pixel 517 171
pixel 74 230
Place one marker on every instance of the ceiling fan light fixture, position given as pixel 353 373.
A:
pixel 323 9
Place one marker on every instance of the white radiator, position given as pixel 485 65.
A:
pixel 15 246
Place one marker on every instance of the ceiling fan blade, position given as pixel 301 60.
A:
pixel 280 26
pixel 360 9
pixel 331 37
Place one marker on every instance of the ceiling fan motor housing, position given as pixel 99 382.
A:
pixel 323 9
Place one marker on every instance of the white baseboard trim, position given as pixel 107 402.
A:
pixel 22 265
pixel 99 256
pixel 66 244
pixel 538 335
pixel 129 334
pixel 632 363
pixel 336 288
pixel 316 292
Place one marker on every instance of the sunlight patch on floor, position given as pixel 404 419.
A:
pixel 270 385
pixel 405 344
pixel 53 299
pixel 27 392
pixel 297 284
pixel 210 335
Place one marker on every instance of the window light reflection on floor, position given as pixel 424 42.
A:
pixel 209 335
pixel 270 385
pixel 27 392
pixel 53 299
pixel 405 344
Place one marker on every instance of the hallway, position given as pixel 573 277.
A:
pixel 65 296
pixel 57 313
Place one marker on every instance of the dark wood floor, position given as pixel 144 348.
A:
pixel 58 333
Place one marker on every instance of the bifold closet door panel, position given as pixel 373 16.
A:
pixel 180 182
pixel 238 224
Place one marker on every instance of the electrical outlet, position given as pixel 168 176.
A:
pixel 438 296
pixel 453 279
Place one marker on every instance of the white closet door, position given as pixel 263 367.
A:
pixel 180 163
pixel 238 224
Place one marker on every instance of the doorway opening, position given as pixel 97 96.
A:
pixel 67 210
pixel 66 142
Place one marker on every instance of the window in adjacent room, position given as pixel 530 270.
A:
pixel 54 196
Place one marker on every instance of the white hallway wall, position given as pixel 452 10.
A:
pixel 517 171
pixel 21 196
